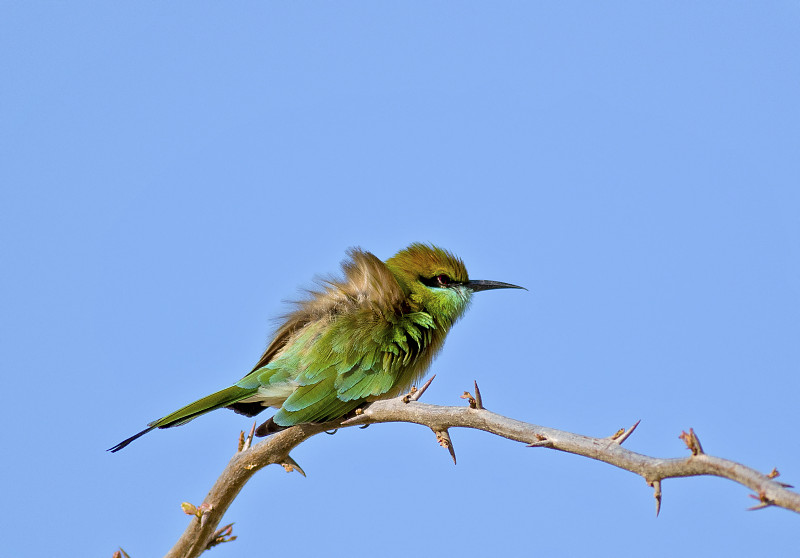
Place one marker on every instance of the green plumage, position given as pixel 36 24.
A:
pixel 368 336
pixel 223 398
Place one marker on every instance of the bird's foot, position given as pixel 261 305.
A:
pixel 268 428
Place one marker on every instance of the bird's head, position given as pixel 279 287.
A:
pixel 437 282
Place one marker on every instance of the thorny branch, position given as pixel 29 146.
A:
pixel 203 533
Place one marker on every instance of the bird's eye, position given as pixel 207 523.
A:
pixel 438 281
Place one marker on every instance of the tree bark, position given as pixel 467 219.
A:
pixel 202 531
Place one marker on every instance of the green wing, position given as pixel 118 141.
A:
pixel 339 365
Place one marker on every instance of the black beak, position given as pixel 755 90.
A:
pixel 479 285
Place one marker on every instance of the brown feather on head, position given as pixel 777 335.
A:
pixel 426 260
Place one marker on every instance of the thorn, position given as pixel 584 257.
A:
pixel 542 442
pixel 417 393
pixel 331 432
pixel 203 509
pixel 478 398
pixel 251 436
pixel 221 535
pixel 692 442
pixel 758 507
pixel 443 437
pixel 291 465
pixel 774 473
pixel 762 497
pixel 245 443
pixel 621 435
pixel 240 447
pixel 121 553
pixel 656 492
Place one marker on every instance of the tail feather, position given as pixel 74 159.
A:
pixel 222 398
pixel 124 443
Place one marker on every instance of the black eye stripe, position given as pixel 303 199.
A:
pixel 441 280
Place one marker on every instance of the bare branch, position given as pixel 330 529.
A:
pixel 275 450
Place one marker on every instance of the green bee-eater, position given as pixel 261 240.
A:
pixel 366 337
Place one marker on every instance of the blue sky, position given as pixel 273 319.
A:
pixel 171 173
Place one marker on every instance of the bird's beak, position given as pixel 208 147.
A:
pixel 479 285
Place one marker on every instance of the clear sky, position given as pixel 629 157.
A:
pixel 170 173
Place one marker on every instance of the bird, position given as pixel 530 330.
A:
pixel 367 336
